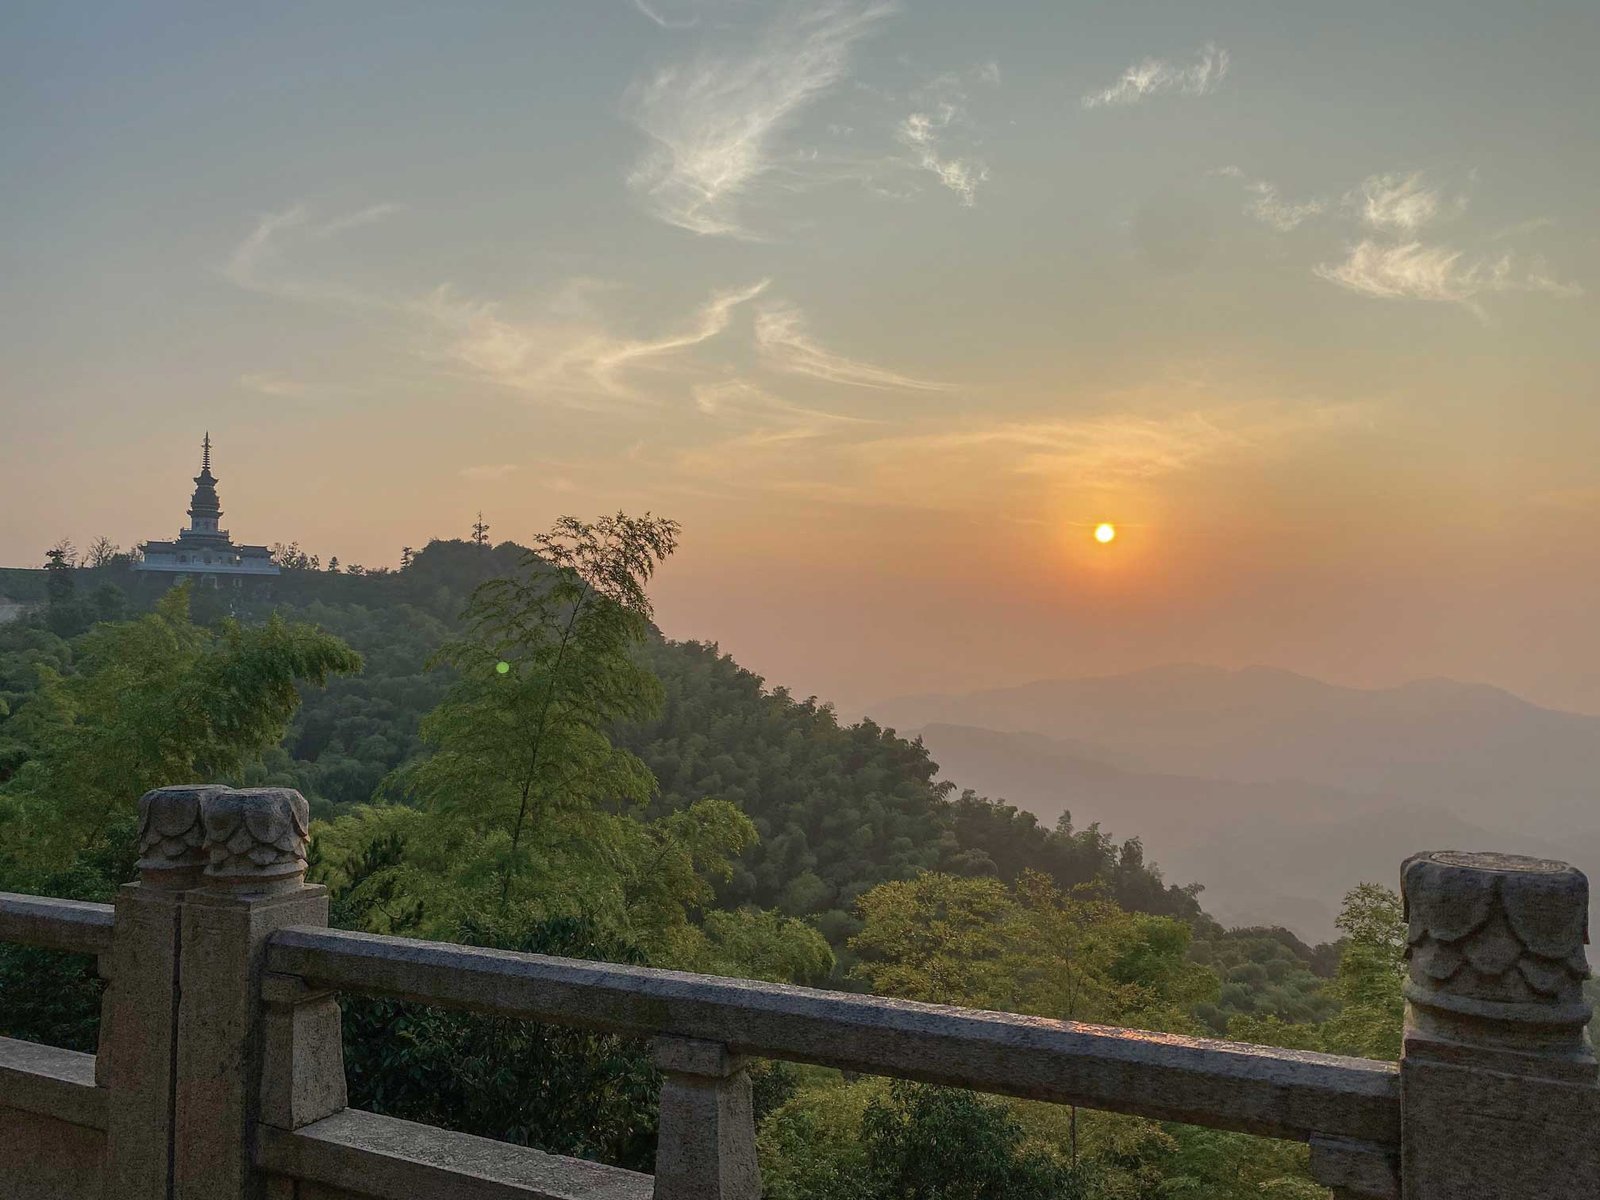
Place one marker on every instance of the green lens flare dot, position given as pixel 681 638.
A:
pixel 502 666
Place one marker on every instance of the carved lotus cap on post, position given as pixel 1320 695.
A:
pixel 172 835
pixel 1495 944
pixel 256 838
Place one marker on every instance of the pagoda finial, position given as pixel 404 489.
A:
pixel 205 464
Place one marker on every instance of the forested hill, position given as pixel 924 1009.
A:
pixel 724 827
pixel 838 808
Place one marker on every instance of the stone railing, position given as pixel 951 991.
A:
pixel 220 1074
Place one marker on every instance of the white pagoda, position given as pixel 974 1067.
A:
pixel 203 550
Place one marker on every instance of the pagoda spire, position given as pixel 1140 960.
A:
pixel 204 507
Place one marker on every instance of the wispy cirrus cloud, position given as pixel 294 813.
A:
pixel 713 123
pixel 939 135
pixel 753 421
pixel 1157 76
pixel 922 133
pixel 739 399
pixel 562 347
pixel 1400 205
pixel 1416 271
pixel 786 345
pixel 1267 205
pixel 670 14
pixel 977 458
pixel 1386 256
pixel 564 357
pixel 256 262
pixel 1123 448
pixel 1397 202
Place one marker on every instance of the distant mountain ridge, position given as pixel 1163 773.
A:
pixel 1276 791
pixel 1474 750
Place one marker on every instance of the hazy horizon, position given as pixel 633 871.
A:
pixel 889 304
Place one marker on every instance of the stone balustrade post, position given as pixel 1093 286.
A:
pixel 139 1015
pixel 1499 1097
pixel 706 1143
pixel 302 1071
pixel 253 885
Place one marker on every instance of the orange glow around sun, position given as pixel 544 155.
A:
pixel 1104 533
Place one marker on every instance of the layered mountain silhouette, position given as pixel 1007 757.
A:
pixel 1277 791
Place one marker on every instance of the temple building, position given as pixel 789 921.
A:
pixel 203 550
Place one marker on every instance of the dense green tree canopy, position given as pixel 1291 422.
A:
pixel 523 761
pixel 146 702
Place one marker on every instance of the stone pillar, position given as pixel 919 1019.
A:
pixel 1498 1078
pixel 139 1015
pixel 302 1072
pixel 255 843
pixel 706 1145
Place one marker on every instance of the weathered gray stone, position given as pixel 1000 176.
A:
pixel 50 1082
pixel 360 1154
pixel 706 1144
pixel 1356 1170
pixel 302 1078
pixel 220 1052
pixel 172 835
pixel 1498 1080
pixel 219 1066
pixel 52 1122
pixel 255 838
pixel 45 1159
pixel 255 844
pixel 1225 1085
pixel 138 1032
pixel 1495 944
pixel 74 925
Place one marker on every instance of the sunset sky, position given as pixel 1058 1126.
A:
pixel 889 304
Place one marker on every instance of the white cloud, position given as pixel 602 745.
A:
pixel 1398 202
pixel 573 358
pixel 1155 76
pixel 736 400
pixel 1119 448
pixel 982 458
pixel 257 264
pixel 1396 264
pixel 1267 205
pixel 365 216
pixel 921 133
pixel 244 266
pixel 667 15
pixel 785 345
pixel 1415 271
pixel 1523 228
pixel 713 122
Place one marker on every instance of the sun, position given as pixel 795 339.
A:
pixel 1104 533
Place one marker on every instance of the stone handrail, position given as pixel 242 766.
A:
pixel 72 925
pixel 220 1072
pixel 1199 1081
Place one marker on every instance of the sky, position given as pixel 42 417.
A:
pixel 889 304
